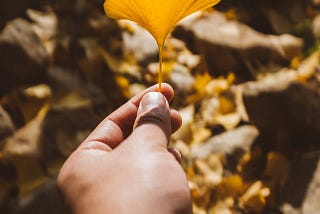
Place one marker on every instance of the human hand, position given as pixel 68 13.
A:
pixel 124 166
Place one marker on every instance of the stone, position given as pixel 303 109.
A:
pixel 43 143
pixel 269 16
pixel 246 50
pixel 23 58
pixel 227 143
pixel 288 209
pixel 139 43
pixel 25 141
pixel 23 148
pixel 108 33
pixel 45 199
pixel 64 129
pixel 304 171
pixel 181 79
pixel 98 89
pixel 286 109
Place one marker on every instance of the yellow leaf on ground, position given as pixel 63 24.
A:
pixel 220 208
pixel 229 121
pixel 231 186
pixel 254 199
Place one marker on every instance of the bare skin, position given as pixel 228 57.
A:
pixel 125 166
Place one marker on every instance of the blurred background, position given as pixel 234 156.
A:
pixel 246 77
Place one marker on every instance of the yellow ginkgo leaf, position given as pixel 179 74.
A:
pixel 157 16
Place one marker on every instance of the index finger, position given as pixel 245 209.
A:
pixel 119 124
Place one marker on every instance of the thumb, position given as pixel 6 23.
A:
pixel 153 122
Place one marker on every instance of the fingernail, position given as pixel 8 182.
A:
pixel 152 100
pixel 154 111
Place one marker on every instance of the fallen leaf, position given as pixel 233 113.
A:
pixel 307 67
pixel 211 177
pixel 41 91
pixel 72 100
pixel 254 199
pixel 220 208
pixel 228 121
pixel 185 132
pixel 231 186
pixel 216 86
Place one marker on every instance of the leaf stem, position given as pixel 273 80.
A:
pixel 160 66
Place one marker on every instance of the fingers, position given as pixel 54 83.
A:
pixel 176 120
pixel 153 123
pixel 166 90
pixel 125 116
pixel 176 153
pixel 118 125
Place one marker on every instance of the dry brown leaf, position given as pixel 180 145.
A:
pixel 228 121
pixel 185 132
pixel 212 177
pixel 254 199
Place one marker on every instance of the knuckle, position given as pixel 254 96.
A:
pixel 157 115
